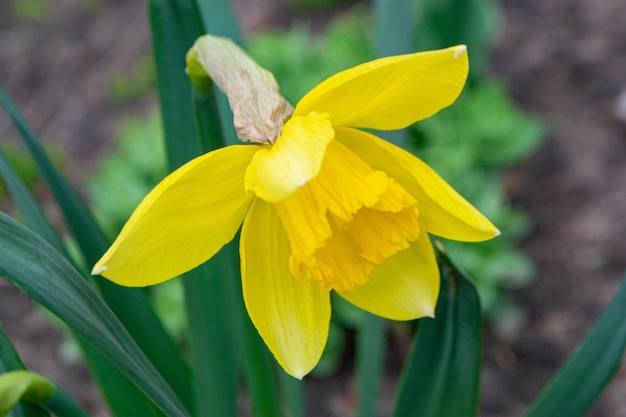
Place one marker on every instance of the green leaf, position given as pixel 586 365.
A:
pixel 27 205
pixel 31 264
pixel 441 378
pixel 399 15
pixel 293 393
pixel 129 304
pixel 579 383
pixel 206 113
pixel 219 19
pixel 191 126
pixel 175 25
pixel 62 404
pixel 22 385
pixel 10 361
pixel 32 388
pixel 370 364
pixel 216 377
pixel 122 397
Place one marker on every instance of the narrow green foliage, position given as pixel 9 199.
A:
pixel 399 15
pixel 191 126
pixel 63 404
pixel 83 227
pixel 208 125
pixel 28 206
pixel 10 361
pixel 443 23
pixel 175 25
pixel 370 364
pixel 579 383
pixel 122 397
pixel 46 276
pixel 216 380
pixel 22 385
pixel 442 375
pixel 129 304
pixel 219 19
pixel 293 393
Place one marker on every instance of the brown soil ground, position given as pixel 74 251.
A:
pixel 565 61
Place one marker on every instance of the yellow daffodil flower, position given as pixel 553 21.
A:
pixel 324 206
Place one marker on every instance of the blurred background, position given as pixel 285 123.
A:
pixel 537 141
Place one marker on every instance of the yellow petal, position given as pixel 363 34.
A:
pixel 443 211
pixel 404 287
pixel 277 172
pixel 183 221
pixel 391 93
pixel 292 315
pixel 346 220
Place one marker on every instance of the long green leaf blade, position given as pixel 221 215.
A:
pixel 395 27
pixel 579 383
pixel 71 205
pixel 370 364
pixel 30 263
pixel 441 378
pixel 219 19
pixel 22 385
pixel 216 377
pixel 293 393
pixel 27 205
pixel 129 304
pixel 175 25
pixel 122 397
pixel 191 126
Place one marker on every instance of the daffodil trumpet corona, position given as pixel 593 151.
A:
pixel 324 205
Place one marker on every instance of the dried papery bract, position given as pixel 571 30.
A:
pixel 253 93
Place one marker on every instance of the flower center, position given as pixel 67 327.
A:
pixel 346 221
